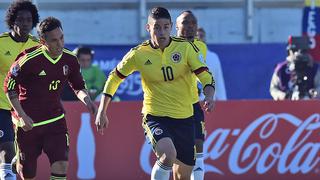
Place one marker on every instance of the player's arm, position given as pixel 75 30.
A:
pixel 84 97
pixel 123 69
pixel 208 83
pixel 11 89
pixel 78 85
pixel 200 69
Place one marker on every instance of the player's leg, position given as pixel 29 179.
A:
pixel 198 170
pixel 29 149
pixel 156 131
pixel 56 146
pixel 184 139
pixel 59 170
pixel 181 170
pixel 6 145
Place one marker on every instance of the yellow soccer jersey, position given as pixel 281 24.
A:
pixel 166 76
pixel 9 50
pixel 203 52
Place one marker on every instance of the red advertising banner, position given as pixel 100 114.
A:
pixel 245 140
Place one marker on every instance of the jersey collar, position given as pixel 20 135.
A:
pixel 151 45
pixel 53 61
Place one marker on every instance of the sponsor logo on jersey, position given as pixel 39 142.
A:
pixel 1 133
pixel 176 57
pixel 42 73
pixel 65 69
pixel 148 62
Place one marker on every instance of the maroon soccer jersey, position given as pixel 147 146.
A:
pixel 39 80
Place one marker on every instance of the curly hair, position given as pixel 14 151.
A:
pixel 19 5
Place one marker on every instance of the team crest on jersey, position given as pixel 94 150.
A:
pixel 158 131
pixel 176 57
pixel 15 69
pixel 65 69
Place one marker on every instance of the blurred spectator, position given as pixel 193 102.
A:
pixel 298 77
pixel 93 75
pixel 214 66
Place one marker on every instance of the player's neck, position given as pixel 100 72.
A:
pixel 16 37
pixel 52 55
pixel 162 45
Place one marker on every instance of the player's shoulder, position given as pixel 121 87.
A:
pixel 33 38
pixel 69 53
pixel 4 38
pixel 199 42
pixel 32 51
pixel 141 46
pixel 180 40
pixel 4 35
pixel 28 54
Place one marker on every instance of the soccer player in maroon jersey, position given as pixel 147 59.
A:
pixel 33 86
pixel 21 17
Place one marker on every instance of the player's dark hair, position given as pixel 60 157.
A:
pixel 159 12
pixel 48 24
pixel 186 11
pixel 20 5
pixel 83 50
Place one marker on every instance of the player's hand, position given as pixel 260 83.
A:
pixel 208 104
pixel 101 122
pixel 26 123
pixel 19 168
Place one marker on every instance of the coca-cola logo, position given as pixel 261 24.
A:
pixel 299 153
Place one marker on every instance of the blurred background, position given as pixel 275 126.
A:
pixel 249 36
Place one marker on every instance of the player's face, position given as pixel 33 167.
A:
pixel 160 30
pixel 187 25
pixel 85 60
pixel 23 23
pixel 54 41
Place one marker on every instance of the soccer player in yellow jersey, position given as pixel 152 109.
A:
pixel 166 65
pixel 186 25
pixel 21 17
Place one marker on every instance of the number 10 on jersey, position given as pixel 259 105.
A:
pixel 167 73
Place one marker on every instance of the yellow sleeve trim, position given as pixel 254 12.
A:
pixel 29 56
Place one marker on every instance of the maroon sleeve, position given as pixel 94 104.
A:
pixel 75 78
pixel 11 82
